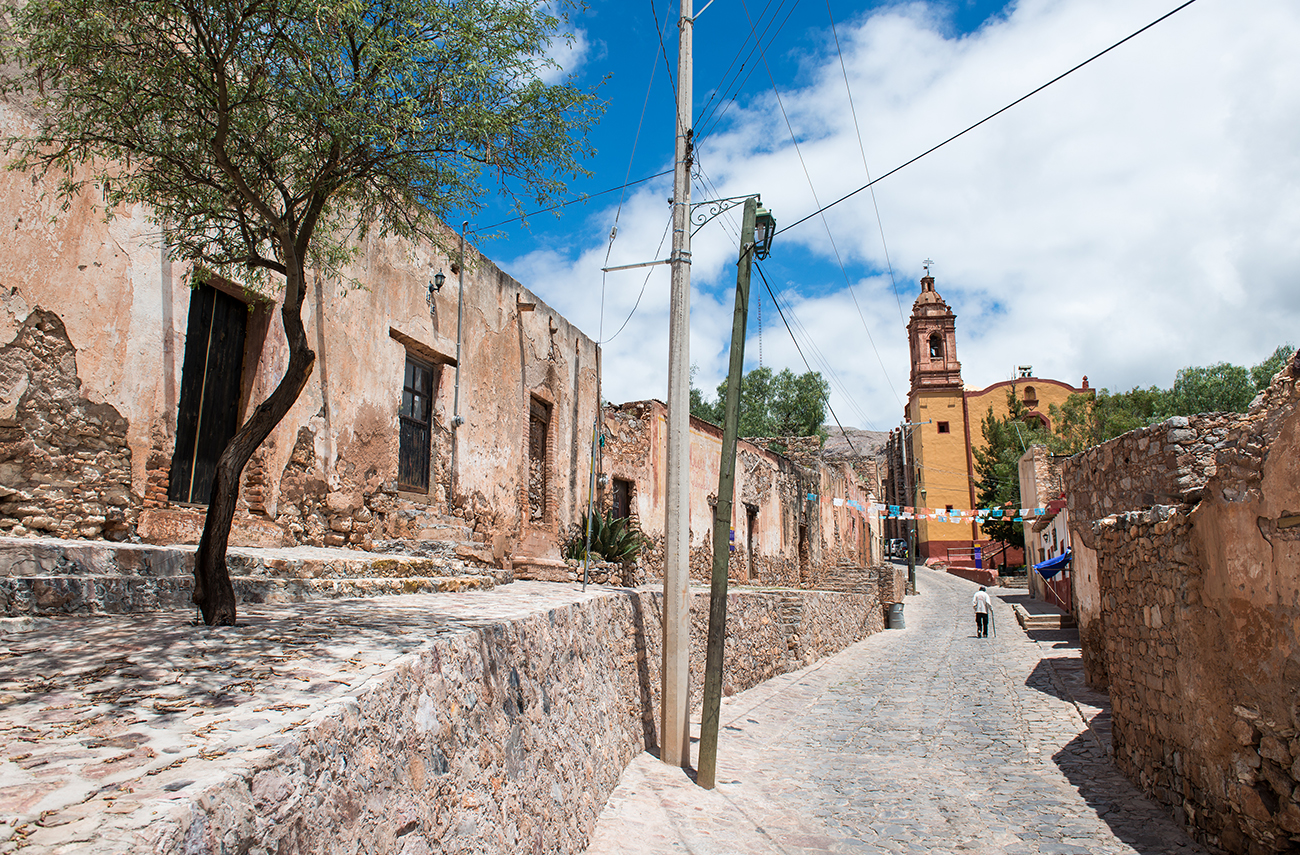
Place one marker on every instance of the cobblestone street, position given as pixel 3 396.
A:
pixel 921 740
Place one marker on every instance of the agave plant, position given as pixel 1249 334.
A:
pixel 612 538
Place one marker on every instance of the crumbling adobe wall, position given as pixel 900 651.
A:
pixel 797 541
pixel 65 466
pixel 1192 533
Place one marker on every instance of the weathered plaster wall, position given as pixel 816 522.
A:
pixel 797 541
pixel 117 317
pixel 1164 464
pixel 1194 622
pixel 59 278
pixel 501 739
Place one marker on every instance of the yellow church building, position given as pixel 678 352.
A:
pixel 930 457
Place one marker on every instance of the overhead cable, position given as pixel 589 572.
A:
pixel 1024 97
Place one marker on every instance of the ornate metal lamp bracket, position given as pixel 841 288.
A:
pixel 702 212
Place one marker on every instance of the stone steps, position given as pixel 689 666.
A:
pixel 1017 582
pixel 790 615
pixel 36 595
pixel 847 579
pixel 1029 621
pixel 45 576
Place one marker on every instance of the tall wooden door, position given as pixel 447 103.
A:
pixel 209 407
pixel 415 418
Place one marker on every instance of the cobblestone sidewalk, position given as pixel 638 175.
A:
pixel 922 740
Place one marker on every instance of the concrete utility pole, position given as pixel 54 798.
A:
pixel 674 730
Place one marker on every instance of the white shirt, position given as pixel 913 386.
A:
pixel 982 603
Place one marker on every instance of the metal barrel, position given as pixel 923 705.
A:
pixel 896 616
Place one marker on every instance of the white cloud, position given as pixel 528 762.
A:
pixel 568 50
pixel 1137 217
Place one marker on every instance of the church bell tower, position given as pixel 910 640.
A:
pixel 932 337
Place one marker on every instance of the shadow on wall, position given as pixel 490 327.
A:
pixel 649 730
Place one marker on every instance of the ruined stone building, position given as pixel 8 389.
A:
pixel 795 524
pixel 122 376
pixel 929 460
pixel 1186 578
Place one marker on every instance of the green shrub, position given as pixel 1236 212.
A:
pixel 612 539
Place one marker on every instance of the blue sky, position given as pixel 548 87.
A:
pixel 1135 218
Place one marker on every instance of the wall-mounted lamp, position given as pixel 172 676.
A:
pixel 436 284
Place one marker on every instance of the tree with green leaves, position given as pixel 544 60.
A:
pixel 269 135
pixel 1262 374
pixel 997 466
pixel 771 404
pixel 1090 418
pixel 1218 388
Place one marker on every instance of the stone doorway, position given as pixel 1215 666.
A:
pixel 751 541
pixel 539 428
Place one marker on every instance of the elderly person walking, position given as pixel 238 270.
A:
pixel 983 605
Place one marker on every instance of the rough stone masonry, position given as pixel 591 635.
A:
pixel 1187 582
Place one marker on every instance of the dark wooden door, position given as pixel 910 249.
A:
pixel 621 499
pixel 209 405
pixel 415 420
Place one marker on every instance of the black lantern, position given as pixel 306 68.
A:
pixel 436 284
pixel 764 230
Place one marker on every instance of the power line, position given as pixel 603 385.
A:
pixel 663 50
pixel 862 149
pixel 824 364
pixel 613 232
pixel 935 148
pixel 583 198
pixel 825 223
pixel 644 283
pixel 739 83
pixel 826 399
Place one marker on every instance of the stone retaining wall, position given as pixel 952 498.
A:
pixel 502 738
pixel 1187 586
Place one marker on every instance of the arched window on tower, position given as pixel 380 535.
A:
pixel 1031 397
pixel 936 346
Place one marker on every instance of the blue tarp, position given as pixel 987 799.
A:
pixel 1052 566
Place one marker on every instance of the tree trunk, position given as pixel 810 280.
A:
pixel 213 592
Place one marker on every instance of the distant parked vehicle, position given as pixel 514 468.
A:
pixel 896 547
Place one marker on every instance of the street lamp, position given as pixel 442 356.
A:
pixel 764 231
pixel 752 244
pixel 687 220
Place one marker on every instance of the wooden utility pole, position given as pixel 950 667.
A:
pixel 706 774
pixel 674 731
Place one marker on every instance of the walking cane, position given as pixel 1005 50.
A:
pixel 993 624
